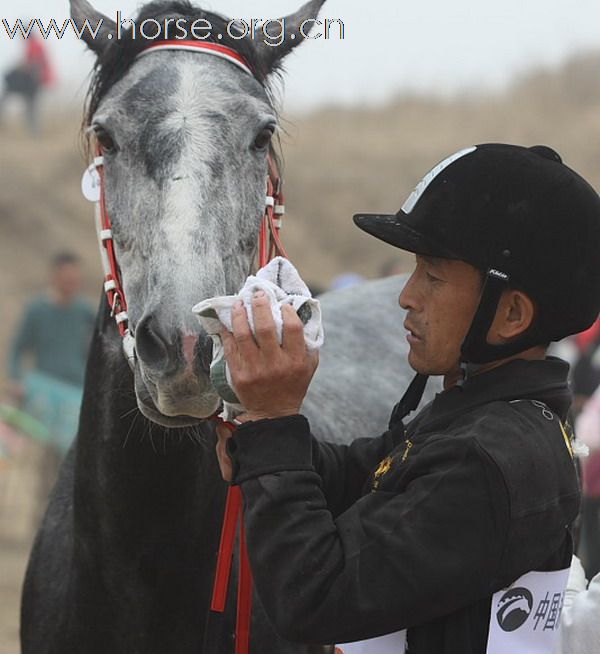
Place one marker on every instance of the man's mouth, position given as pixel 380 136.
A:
pixel 412 336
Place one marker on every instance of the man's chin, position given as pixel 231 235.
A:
pixel 415 363
pixel 429 369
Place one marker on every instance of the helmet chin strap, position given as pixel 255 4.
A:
pixel 475 349
pixel 410 400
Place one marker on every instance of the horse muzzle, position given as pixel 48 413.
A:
pixel 174 370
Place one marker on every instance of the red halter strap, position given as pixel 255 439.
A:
pixel 113 285
pixel 269 243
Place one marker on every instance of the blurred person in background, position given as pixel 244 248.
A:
pixel 55 330
pixel 585 376
pixel 588 431
pixel 585 380
pixel 580 628
pixel 33 73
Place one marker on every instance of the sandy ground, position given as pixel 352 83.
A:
pixel 24 484
pixel 13 559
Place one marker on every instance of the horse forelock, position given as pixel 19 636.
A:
pixel 117 58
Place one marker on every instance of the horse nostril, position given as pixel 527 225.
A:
pixel 151 345
pixel 204 352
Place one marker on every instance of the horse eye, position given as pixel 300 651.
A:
pixel 105 140
pixel 263 139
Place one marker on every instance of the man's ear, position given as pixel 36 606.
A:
pixel 514 316
pixel 105 29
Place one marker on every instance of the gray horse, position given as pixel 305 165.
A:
pixel 125 557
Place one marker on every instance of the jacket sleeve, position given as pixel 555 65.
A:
pixel 390 561
pixel 345 469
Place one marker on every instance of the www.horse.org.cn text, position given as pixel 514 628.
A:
pixel 272 32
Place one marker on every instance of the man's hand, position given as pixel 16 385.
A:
pixel 270 380
pixel 224 434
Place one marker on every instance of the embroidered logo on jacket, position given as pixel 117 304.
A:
pixel 383 468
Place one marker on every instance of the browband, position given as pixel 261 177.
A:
pixel 204 47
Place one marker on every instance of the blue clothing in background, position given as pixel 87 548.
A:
pixel 58 337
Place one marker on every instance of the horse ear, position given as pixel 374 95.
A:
pixel 101 28
pixel 273 48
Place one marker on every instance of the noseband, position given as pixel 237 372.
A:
pixel 93 187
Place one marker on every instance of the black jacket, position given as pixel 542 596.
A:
pixel 417 528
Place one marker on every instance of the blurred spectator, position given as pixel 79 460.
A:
pixel 580 628
pixel 586 370
pixel 346 280
pixel 585 379
pixel 56 329
pixel 588 430
pixel 28 78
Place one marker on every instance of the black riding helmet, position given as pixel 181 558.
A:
pixel 525 220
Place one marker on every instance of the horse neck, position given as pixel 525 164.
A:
pixel 160 504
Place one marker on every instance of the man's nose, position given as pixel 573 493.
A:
pixel 406 298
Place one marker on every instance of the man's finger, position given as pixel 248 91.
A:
pixel 230 349
pixel 222 456
pixel 264 324
pixel 293 331
pixel 246 345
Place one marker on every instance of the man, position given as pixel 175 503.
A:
pixel 56 328
pixel 425 528
pixel 34 73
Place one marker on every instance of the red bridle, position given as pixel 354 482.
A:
pixel 269 245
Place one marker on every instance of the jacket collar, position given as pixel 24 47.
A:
pixel 541 380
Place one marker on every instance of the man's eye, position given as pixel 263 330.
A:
pixel 432 278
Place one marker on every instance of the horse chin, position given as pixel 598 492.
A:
pixel 178 402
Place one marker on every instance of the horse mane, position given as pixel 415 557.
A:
pixel 117 57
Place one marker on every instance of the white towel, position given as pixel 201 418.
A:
pixel 282 285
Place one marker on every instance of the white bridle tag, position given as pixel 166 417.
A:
pixel 90 184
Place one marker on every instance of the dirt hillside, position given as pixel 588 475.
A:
pixel 337 162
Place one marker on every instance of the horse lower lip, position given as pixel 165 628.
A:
pixel 170 421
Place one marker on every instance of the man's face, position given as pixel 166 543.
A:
pixel 66 280
pixel 441 298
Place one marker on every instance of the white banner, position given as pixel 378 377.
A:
pixel 390 644
pixel 525 618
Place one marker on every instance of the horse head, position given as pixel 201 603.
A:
pixel 185 139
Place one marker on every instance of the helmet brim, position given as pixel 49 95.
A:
pixel 394 230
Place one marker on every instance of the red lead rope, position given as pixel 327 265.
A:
pixel 269 246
